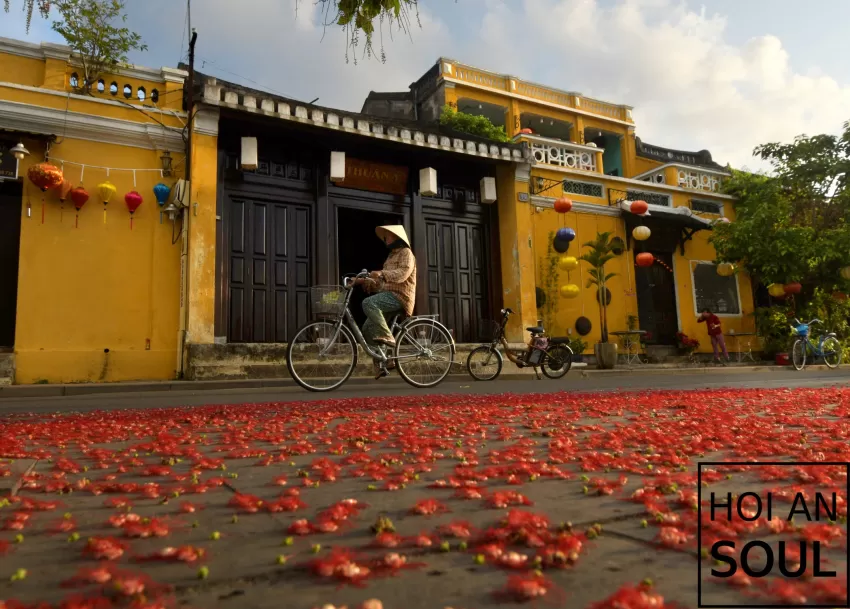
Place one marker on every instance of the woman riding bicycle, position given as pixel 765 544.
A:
pixel 393 289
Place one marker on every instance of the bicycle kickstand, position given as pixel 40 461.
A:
pixel 537 374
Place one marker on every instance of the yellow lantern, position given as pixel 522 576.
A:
pixel 106 190
pixel 777 290
pixel 570 290
pixel 641 233
pixel 725 269
pixel 845 273
pixel 568 263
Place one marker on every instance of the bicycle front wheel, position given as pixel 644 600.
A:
pixel 558 361
pixel 321 356
pixel 424 353
pixel 484 363
pixel 798 354
pixel 832 352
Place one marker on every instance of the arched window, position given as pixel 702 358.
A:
pixel 101 86
pixel 154 96
pixel 75 80
pixel 141 94
pixel 128 91
pixel 113 88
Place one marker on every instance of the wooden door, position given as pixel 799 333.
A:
pixel 457 276
pixel 656 294
pixel 10 241
pixel 269 271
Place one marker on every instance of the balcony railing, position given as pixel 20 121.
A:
pixel 566 155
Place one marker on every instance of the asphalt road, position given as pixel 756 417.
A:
pixel 390 387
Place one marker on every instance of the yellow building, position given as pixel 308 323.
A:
pixel 587 150
pixel 85 296
pixel 214 281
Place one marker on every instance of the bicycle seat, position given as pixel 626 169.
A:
pixel 535 330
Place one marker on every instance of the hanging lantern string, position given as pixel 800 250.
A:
pixel 107 169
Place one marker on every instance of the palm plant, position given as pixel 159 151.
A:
pixel 599 255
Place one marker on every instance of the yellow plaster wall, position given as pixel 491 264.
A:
pixel 202 235
pixel 516 241
pixel 100 286
pixel 21 70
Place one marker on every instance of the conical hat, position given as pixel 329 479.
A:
pixel 397 230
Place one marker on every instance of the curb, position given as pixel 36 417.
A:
pixel 50 391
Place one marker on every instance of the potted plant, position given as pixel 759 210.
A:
pixel 600 254
pixel 578 347
pixel 687 345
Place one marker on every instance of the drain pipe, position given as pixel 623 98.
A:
pixel 186 212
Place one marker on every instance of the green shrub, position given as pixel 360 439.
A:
pixel 471 124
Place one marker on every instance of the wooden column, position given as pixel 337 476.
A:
pixel 325 272
pixel 419 240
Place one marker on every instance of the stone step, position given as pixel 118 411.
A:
pixel 268 361
pixel 7 368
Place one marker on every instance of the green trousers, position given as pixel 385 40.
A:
pixel 378 309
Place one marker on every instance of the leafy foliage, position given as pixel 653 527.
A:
pixel 793 225
pixel 88 28
pixel 358 17
pixel 549 274
pixel 30 7
pixel 599 255
pixel 471 124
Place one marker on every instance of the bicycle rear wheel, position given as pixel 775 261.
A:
pixel 832 352
pixel 484 363
pixel 798 354
pixel 424 353
pixel 557 361
pixel 320 358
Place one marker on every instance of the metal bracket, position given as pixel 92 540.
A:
pixel 616 196
pixel 687 235
pixel 539 185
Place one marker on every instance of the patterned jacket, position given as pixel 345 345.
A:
pixel 399 277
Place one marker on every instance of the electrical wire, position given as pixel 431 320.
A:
pixel 268 89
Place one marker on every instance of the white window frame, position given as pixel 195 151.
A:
pixel 693 264
pixel 602 196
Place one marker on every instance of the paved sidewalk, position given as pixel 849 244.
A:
pixel 578 370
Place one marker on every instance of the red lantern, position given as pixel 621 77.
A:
pixel 133 201
pixel 79 196
pixel 644 259
pixel 639 207
pixel 526 131
pixel 45 176
pixel 839 296
pixel 563 205
pixel 793 288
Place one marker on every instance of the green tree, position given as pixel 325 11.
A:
pixel 600 254
pixel 30 7
pixel 793 225
pixel 88 26
pixel 472 124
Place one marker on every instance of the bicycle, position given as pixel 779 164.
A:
pixel 329 346
pixel 828 347
pixel 552 355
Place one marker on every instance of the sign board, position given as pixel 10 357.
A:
pixel 377 177
pixel 8 163
pixel 522 197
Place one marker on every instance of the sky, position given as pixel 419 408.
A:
pixel 718 75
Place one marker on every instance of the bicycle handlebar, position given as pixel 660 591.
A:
pixel 814 321
pixel 346 279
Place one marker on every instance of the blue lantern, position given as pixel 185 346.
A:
pixel 161 192
pixel 565 234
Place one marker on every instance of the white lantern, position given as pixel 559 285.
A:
pixel 641 233
pixel 249 153
pixel 428 182
pixel 845 273
pixel 725 269
pixel 488 190
pixel 337 166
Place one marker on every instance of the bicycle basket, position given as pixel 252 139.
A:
pixel 327 299
pixel 489 330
